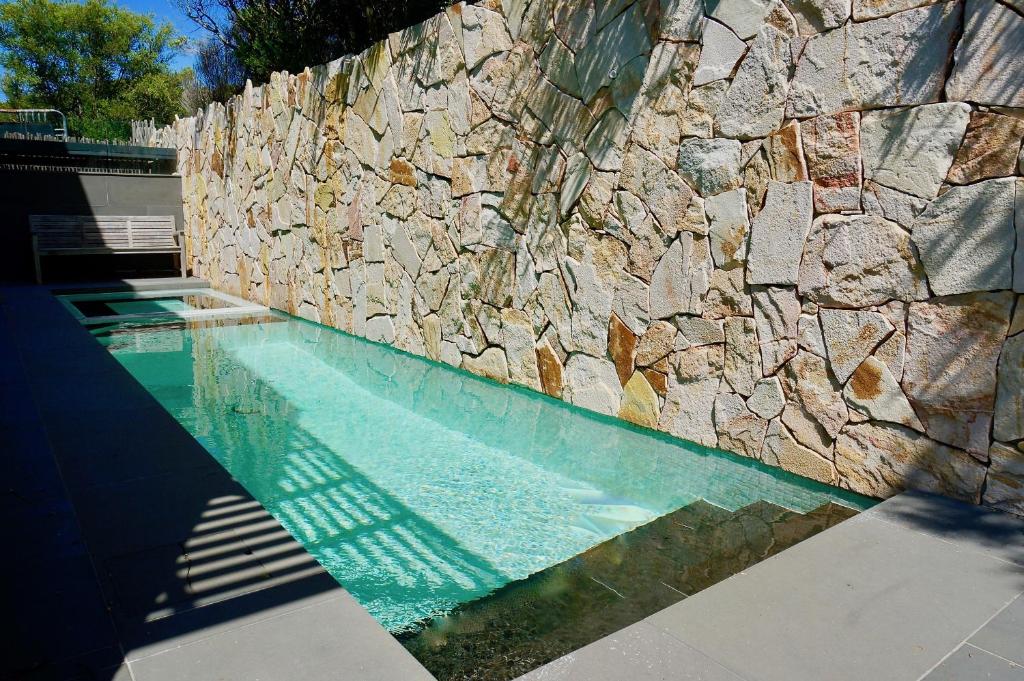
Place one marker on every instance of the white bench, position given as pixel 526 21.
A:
pixel 104 234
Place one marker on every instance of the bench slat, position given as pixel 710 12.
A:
pixel 117 233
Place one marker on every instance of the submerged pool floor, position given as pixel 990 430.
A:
pixel 615 584
pixel 418 487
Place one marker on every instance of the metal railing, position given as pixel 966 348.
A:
pixel 35 122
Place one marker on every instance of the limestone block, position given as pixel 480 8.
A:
pixel 681 19
pixel 599 60
pixel 767 400
pixel 720 51
pixel 491 363
pixel 776 314
pixel 1009 412
pixel 860 261
pixel 483 33
pixel 832 147
pixel 742 358
pixel 814 399
pixel 739 430
pixel 815 16
pixel 873 390
pixel 664 192
pixel 559 65
pixel 1018 257
pixel 591 306
pixel 711 166
pixel 550 369
pixel 756 100
pixel 781 449
pixel 989 60
pixel 777 234
pixel 953 346
pixel 966 238
pixel 697 331
pixel 640 403
pixel 728 294
pixel 592 383
pixel 784 153
pixel 656 343
pixel 520 354
pixel 873 9
pixel 894 205
pixel 729 227
pixel 380 329
pixel 883 459
pixel 911 150
pixel 621 348
pixel 850 336
pixel 680 281
pixel 877 63
pixel 744 17
pixel 1005 480
pixel 702 104
pixel 989 148
pixel 689 410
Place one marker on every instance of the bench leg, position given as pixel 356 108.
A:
pixel 181 262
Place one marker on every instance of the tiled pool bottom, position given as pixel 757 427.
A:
pixel 422 489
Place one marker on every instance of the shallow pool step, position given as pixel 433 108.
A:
pixel 614 584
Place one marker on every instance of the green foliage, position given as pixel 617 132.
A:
pixel 101 65
pixel 274 35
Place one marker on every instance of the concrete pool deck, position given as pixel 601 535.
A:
pixel 151 563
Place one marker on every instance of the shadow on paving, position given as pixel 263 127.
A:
pixel 132 540
pixel 611 586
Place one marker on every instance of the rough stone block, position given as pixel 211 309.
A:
pixel 989 66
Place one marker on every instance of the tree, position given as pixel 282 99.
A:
pixel 101 65
pixel 218 70
pixel 273 35
pixel 217 76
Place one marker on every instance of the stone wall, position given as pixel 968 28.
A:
pixel 785 229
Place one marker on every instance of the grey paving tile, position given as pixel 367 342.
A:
pixel 864 600
pixel 39 530
pixel 971 527
pixel 103 448
pixel 161 581
pixel 971 664
pixel 54 612
pixel 1004 635
pixel 334 639
pixel 143 637
pixel 131 516
pixel 98 665
pixel 640 652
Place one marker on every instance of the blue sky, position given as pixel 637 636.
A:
pixel 166 11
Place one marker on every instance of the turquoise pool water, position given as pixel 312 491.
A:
pixel 417 486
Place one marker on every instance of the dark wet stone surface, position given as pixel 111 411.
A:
pixel 530 622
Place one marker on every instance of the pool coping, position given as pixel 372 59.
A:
pixel 236 306
pixel 729 631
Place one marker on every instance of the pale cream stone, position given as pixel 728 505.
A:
pixel 883 459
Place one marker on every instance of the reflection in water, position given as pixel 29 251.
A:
pixel 611 586
pixel 416 486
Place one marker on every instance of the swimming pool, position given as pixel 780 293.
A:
pixel 419 487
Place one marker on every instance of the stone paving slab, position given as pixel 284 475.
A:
pixel 306 643
pixel 648 653
pixel 972 528
pixel 890 594
pixel 1004 635
pixel 972 664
